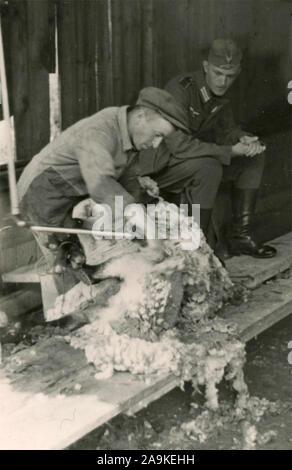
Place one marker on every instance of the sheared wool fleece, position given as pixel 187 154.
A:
pixel 159 320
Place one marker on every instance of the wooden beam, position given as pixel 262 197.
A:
pixel 25 274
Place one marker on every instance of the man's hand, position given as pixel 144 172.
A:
pixel 248 146
pixel 239 149
pixel 248 139
pixel 255 146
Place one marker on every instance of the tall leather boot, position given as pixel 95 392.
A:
pixel 241 240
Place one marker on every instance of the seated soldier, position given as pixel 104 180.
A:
pixel 193 166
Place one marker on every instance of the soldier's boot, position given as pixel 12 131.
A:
pixel 241 240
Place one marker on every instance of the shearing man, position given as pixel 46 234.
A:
pixel 90 159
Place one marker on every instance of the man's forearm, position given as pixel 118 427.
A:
pixel 184 146
pixel 231 136
pixel 106 190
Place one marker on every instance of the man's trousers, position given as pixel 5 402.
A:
pixel 196 179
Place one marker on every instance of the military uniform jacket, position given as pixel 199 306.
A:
pixel 210 119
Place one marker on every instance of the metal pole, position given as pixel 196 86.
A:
pixel 77 231
pixel 6 115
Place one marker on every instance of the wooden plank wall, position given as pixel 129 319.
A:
pixel 185 28
pixel 29 56
pixel 109 49
pixel 26 26
pixel 145 42
pixel 77 40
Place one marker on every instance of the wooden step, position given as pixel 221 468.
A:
pixel 26 274
pixel 42 419
pixel 252 271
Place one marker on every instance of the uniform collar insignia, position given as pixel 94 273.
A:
pixel 205 95
pixel 194 112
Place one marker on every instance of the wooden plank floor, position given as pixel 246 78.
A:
pixel 252 272
pixel 266 306
pixel 43 415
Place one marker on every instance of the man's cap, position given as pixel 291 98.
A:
pixel 225 53
pixel 165 104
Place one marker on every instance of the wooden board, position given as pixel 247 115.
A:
pixel 252 271
pixel 46 412
pixel 54 422
pixel 27 46
pixel 267 305
pixel 24 274
pixel 77 33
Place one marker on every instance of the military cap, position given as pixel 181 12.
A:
pixel 165 104
pixel 225 53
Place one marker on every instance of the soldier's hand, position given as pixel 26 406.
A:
pixel 248 139
pixel 254 148
pixel 240 149
pixel 247 149
pixel 254 145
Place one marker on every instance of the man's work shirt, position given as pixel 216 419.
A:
pixel 86 159
pixel 210 119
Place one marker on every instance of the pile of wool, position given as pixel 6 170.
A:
pixel 109 351
pixel 156 313
pixel 189 285
pixel 149 299
pixel 136 331
pixel 222 355
pixel 190 282
pixel 204 358
pixel 206 282
pixel 133 295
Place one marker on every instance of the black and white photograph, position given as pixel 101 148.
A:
pixel 146 228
